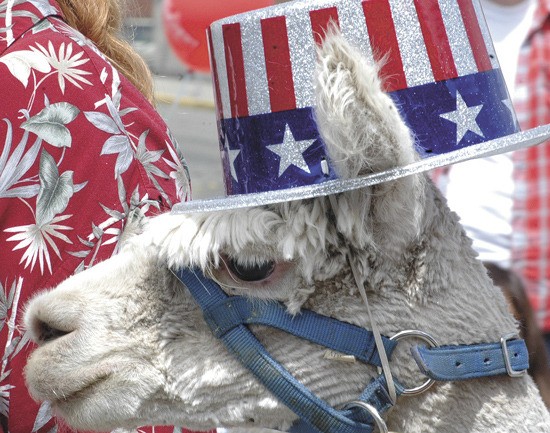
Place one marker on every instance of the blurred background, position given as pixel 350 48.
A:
pixel 168 34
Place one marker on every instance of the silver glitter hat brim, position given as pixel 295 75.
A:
pixel 509 143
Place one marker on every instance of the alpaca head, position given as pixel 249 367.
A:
pixel 124 344
pixel 126 331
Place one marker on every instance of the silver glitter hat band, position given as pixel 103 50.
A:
pixel 443 77
pixel 490 148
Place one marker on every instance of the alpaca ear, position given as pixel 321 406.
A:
pixel 364 133
pixel 359 123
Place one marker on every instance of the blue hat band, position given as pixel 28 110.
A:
pixel 274 151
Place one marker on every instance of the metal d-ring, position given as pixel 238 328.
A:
pixel 421 335
pixel 379 421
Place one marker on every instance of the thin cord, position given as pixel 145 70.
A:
pixel 377 336
pixel 376 332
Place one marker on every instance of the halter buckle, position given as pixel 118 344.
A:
pixel 378 420
pixel 503 343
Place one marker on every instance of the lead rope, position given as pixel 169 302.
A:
pixel 377 336
pixel 374 328
pixel 380 423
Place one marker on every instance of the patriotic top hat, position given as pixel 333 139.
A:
pixel 444 77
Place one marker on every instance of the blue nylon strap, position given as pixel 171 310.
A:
pixel 470 362
pixel 321 417
pixel 325 331
pixel 309 408
pixel 376 394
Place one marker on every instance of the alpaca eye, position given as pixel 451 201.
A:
pixel 251 272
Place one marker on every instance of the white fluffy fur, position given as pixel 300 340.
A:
pixel 138 351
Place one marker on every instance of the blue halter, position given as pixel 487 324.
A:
pixel 228 317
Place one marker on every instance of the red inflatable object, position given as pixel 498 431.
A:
pixel 185 23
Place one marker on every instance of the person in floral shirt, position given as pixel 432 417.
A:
pixel 83 155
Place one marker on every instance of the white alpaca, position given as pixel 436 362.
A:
pixel 124 344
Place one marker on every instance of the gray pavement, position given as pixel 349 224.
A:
pixel 190 90
pixel 187 106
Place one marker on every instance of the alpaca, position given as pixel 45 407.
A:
pixel 124 344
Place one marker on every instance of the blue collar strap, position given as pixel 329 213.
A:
pixel 510 356
pixel 228 318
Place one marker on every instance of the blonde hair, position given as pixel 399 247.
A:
pixel 101 22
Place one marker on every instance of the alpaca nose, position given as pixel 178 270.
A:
pixel 49 320
pixel 43 332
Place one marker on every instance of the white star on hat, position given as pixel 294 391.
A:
pixel 464 117
pixel 291 152
pixel 233 153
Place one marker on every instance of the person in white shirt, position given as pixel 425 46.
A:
pixel 481 191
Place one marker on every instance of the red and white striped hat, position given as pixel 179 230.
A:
pixel 442 73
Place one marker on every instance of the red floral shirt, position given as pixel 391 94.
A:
pixel 82 154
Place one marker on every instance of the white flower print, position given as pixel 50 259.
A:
pixel 36 239
pixel 43 417
pixel 21 62
pixel 54 195
pixel 14 167
pixel 66 64
pixel 51 123
pixel 5 396
pixel 9 305
pixel 180 172
pixel 8 4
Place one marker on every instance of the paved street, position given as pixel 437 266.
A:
pixel 187 108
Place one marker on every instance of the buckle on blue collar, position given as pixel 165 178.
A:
pixel 507 363
pixel 372 411
pixel 461 362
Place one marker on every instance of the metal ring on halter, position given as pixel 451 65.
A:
pixel 421 336
pixel 380 423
